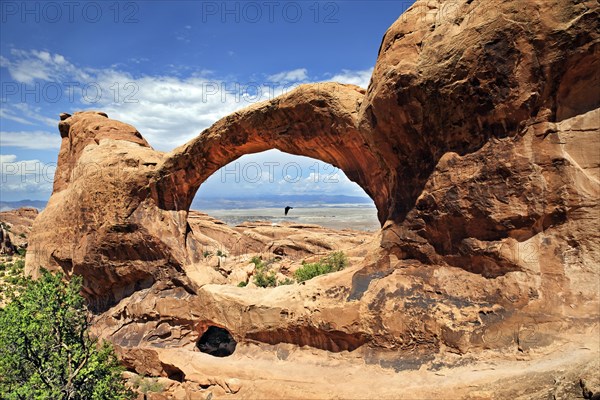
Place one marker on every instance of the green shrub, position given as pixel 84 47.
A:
pixel 147 385
pixel 337 260
pixel 310 270
pixel 19 265
pixel 22 251
pixel 16 280
pixel 265 279
pixel 257 261
pixel 221 254
pixel 334 262
pixel 207 254
pixel 16 268
pixel 260 263
pixel 286 281
pixel 45 350
pixel 242 284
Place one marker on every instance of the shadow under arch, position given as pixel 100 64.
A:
pixel 317 121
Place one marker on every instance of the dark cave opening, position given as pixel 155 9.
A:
pixel 217 342
pixel 174 373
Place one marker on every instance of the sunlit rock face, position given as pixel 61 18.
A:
pixel 478 140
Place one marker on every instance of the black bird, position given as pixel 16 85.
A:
pixel 287 209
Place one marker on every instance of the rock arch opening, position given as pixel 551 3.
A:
pixel 217 342
pixel 280 210
pixel 280 188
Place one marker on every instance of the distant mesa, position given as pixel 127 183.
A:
pixel 14 205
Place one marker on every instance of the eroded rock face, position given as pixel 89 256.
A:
pixel 93 225
pixel 478 141
pixel 452 75
pixel 16 225
pixel 6 244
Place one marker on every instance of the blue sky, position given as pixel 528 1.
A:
pixel 171 69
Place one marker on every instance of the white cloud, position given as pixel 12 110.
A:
pixel 281 174
pixel 318 183
pixel 167 110
pixel 34 113
pixel 5 113
pixel 27 66
pixel 358 78
pixel 22 179
pixel 140 60
pixel 35 140
pixel 7 158
pixel 25 114
pixel 296 75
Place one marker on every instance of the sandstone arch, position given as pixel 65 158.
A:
pixel 318 121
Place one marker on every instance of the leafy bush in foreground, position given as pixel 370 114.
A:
pixel 11 274
pixel 336 261
pixel 45 350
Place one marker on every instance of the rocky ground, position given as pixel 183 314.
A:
pixel 15 225
pixel 520 359
pixel 527 368
pixel 281 249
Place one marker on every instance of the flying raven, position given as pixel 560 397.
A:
pixel 287 209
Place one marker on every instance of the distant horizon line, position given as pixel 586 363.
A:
pixel 234 198
pixel 293 194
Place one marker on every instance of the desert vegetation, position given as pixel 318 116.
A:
pixel 46 351
pixel 265 276
pixel 336 261
pixel 11 275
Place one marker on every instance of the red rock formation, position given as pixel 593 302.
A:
pixel 478 141
pixel 16 225
pixel 6 244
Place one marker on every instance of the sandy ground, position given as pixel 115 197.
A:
pixel 546 373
